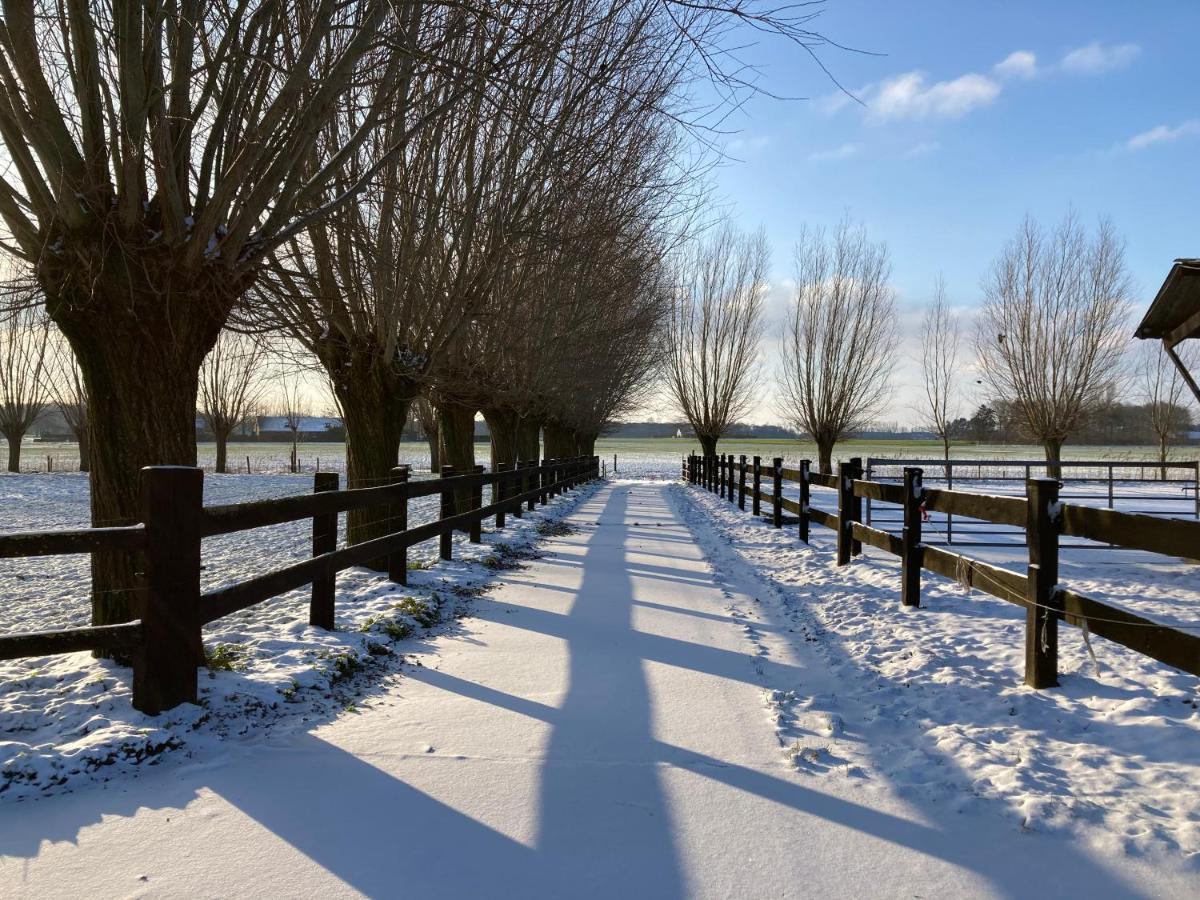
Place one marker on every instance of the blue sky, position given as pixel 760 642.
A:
pixel 976 114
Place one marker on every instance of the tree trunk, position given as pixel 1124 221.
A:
pixel 946 455
pixel 529 435
pixel 560 442
pixel 502 423
pixel 708 444
pixel 456 422
pixel 81 435
pixel 1162 457
pixel 374 414
pixel 587 444
pixel 1053 458
pixel 132 425
pixel 140 322
pixel 221 435
pixel 14 451
pixel 825 455
pixel 434 439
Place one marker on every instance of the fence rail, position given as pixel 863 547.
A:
pixel 1040 514
pixel 165 643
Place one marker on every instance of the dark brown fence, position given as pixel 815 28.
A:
pixel 165 644
pixel 1040 513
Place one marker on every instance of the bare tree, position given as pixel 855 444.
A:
pixel 64 384
pixel 839 343
pixel 157 154
pixel 151 165
pixel 714 330
pixel 23 341
pixel 1164 392
pixel 232 382
pixel 940 352
pixel 292 406
pixel 1050 329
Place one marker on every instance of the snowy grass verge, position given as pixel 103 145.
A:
pixel 928 703
pixel 67 720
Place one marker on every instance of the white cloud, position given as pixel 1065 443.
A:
pixel 908 96
pixel 1096 58
pixel 837 100
pixel 1163 134
pixel 843 152
pixel 1018 64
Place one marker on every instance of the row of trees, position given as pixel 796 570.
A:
pixel 1050 341
pixel 466 203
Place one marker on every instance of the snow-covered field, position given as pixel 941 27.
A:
pixel 67 719
pixel 929 701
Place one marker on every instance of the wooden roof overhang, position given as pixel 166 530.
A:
pixel 1174 316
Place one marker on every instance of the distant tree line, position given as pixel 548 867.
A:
pixel 1116 422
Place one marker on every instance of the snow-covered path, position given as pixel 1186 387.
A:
pixel 597 729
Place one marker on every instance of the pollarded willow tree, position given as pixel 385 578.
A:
pixel 24 339
pixel 394 294
pixel 714 331
pixel 1051 329
pixel 152 155
pixel 157 153
pixel 1165 394
pixel 939 353
pixel 64 385
pixel 233 381
pixel 839 344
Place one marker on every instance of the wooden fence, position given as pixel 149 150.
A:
pixel 1111 476
pixel 1040 513
pixel 165 643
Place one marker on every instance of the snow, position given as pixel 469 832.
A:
pixel 672 701
pixel 66 720
pixel 929 702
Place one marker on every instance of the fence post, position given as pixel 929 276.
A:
pixel 845 489
pixel 911 552
pixel 950 516
pixel 1196 488
pixel 517 486
pixel 475 532
pixel 397 561
pixel 530 483
pixel 777 496
pixel 755 500
pixel 324 540
pixel 742 482
pixel 856 504
pixel 1041 610
pixel 805 492
pixel 446 538
pixel 499 491
pixel 164 673
pixel 543 480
